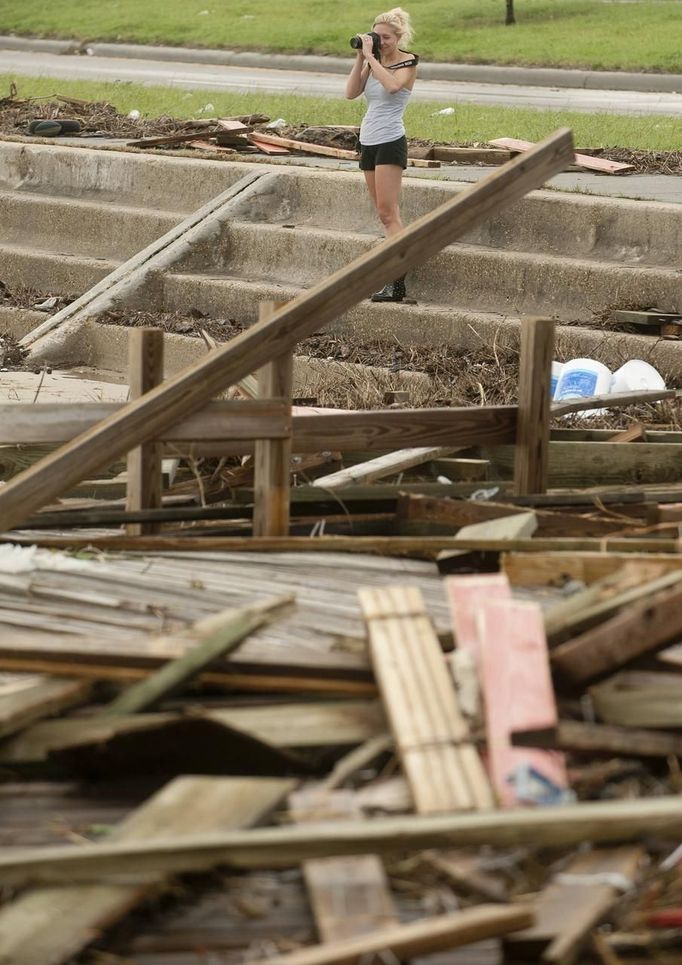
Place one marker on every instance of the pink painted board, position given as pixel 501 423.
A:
pixel 465 594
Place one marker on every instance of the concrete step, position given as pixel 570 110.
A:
pixel 472 276
pixel 51 272
pixel 67 225
pixel 109 174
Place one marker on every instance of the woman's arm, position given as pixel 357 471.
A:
pixel 357 77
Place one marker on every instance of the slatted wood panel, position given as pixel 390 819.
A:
pixel 432 738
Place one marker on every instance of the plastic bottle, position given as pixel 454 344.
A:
pixel 581 379
pixel 636 376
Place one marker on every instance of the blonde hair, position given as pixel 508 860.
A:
pixel 399 20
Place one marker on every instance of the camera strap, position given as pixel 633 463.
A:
pixel 405 63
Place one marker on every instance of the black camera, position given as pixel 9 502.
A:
pixel 356 43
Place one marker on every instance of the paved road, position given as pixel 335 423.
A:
pixel 208 77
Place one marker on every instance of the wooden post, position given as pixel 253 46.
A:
pixel 532 428
pixel 145 367
pixel 272 457
pixel 188 391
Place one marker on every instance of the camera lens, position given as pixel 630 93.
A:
pixel 356 42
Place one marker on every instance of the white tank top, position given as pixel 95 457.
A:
pixel 383 121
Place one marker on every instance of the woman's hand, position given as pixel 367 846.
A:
pixel 367 46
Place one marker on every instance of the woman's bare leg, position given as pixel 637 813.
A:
pixel 387 183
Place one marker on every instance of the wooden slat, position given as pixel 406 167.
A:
pixel 143 482
pixel 532 431
pixel 414 939
pixel 442 768
pixel 584 160
pixel 49 925
pixel 574 735
pixel 145 418
pixel 602 821
pixel 388 465
pixel 539 569
pixel 272 457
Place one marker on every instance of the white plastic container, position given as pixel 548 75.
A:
pixel 581 379
pixel 636 376
pixel 556 373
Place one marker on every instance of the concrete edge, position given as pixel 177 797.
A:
pixel 473 73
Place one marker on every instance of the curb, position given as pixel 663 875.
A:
pixel 474 73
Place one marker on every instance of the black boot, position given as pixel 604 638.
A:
pixel 393 292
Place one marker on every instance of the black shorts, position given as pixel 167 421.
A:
pixel 392 152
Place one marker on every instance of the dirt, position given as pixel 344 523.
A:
pixel 102 119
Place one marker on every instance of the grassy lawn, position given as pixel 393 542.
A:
pixel 600 34
pixel 469 123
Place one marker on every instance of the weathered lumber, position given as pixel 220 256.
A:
pixel 292 725
pixel 215 637
pixel 144 418
pixel 416 938
pixel 601 821
pixel 636 699
pixel 583 160
pixel 143 480
pixel 532 428
pixel 442 767
pixel 539 569
pixel 306 146
pixel 272 456
pixel 639 629
pixel 612 400
pixel 24 701
pixel 349 895
pixel 470 155
pixel 164 251
pixel 387 465
pixel 574 735
pixel 49 925
pixel 574 902
pixel 426 547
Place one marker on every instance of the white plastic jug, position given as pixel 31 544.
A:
pixel 582 378
pixel 636 376
pixel 556 373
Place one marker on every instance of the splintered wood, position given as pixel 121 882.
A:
pixel 442 767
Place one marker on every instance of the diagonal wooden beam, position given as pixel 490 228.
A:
pixel 143 418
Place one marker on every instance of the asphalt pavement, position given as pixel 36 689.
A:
pixel 319 76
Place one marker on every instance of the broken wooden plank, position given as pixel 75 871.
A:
pixel 641 628
pixel 304 146
pixel 387 465
pixel 215 637
pixel 349 896
pixel 432 737
pixel 584 160
pixel 525 568
pixel 28 699
pixel 602 821
pixel 267 148
pixel 470 155
pixel 532 428
pixel 575 902
pixel 416 938
pixel 639 699
pixel 142 419
pixel 71 916
pixel 165 140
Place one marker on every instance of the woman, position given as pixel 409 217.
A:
pixel 387 82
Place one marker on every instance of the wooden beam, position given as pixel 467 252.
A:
pixel 24 701
pixel 574 735
pixel 71 916
pixel 564 825
pixel 414 939
pixel 641 628
pixel 145 418
pixel 525 568
pixel 532 430
pixel 145 372
pixel 272 457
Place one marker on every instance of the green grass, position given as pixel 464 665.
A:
pixel 469 123
pixel 600 34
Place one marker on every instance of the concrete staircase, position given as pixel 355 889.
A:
pixel 70 215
